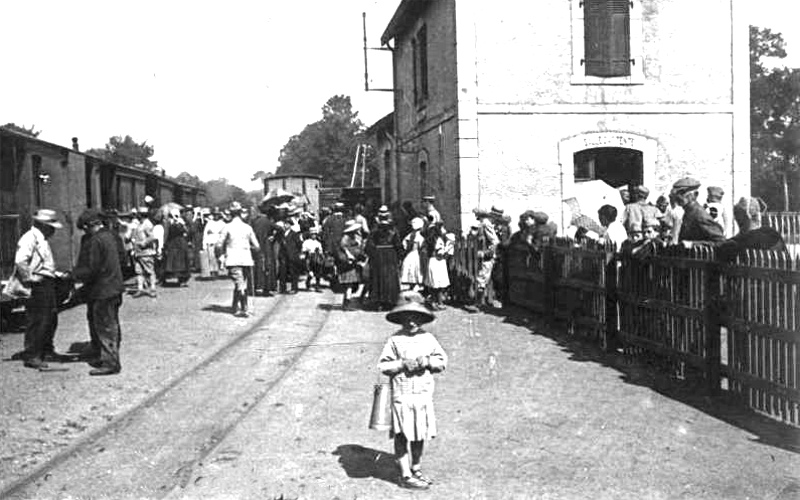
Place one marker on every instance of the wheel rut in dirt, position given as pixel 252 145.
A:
pixel 155 446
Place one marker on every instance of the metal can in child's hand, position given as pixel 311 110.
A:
pixel 381 416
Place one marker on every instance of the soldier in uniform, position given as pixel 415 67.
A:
pixel 697 224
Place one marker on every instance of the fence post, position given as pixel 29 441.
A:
pixel 612 277
pixel 549 305
pixel 713 323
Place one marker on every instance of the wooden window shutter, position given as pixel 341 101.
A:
pixel 607 48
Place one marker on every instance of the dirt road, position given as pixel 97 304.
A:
pixel 280 409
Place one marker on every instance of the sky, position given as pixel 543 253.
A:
pixel 216 87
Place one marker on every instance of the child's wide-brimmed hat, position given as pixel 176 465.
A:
pixel 410 311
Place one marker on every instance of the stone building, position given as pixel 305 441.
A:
pixel 515 104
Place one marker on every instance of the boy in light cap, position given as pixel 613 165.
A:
pixel 716 209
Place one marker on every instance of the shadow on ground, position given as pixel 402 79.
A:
pixel 651 374
pixel 361 462
pixel 216 308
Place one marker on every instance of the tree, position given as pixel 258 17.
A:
pixel 327 147
pixel 127 151
pixel 187 178
pixel 774 122
pixel 220 193
pixel 31 132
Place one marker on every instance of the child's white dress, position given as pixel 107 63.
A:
pixel 412 393
pixel 438 275
pixel 411 270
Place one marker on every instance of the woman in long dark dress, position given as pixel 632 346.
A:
pixel 176 250
pixel 384 249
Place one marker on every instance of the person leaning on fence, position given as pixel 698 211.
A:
pixel 502 228
pixel 752 235
pixel 614 230
pixel 485 238
pixel 715 208
pixel 637 211
pixel 237 241
pixel 36 268
pixel 697 224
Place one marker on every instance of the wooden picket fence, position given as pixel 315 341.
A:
pixel 762 318
pixel 786 223
pixel 464 267
pixel 734 327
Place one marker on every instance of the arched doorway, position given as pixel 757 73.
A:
pixel 619 158
pixel 616 166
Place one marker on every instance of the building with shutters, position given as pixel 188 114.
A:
pixel 514 104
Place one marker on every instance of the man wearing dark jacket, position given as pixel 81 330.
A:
pixel 100 272
pixel 697 224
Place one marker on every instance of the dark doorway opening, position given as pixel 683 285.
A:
pixel 616 166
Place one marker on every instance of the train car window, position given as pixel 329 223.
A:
pixel 8 178
pixel 38 180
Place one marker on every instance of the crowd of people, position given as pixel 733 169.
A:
pixel 367 259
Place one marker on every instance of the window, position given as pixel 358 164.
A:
pixel 8 178
pixel 419 49
pixel 423 179
pixel 38 180
pixel 387 179
pixel 616 166
pixel 607 42
pixel 607 26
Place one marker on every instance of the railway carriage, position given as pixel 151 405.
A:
pixel 38 174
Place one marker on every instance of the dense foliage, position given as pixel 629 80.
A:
pixel 328 146
pixel 774 123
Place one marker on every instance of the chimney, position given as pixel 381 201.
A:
pixel 75 144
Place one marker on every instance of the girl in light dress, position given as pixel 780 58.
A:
pixel 411 270
pixel 410 357
pixel 437 277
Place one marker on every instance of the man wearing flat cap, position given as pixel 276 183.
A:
pixel 99 270
pixel 36 268
pixel 697 224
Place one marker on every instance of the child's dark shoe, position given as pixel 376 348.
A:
pixel 419 475
pixel 413 483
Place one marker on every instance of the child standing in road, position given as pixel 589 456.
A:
pixel 311 253
pixel 410 357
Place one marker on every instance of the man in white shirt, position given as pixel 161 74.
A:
pixel 615 231
pixel 238 242
pixel 37 269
